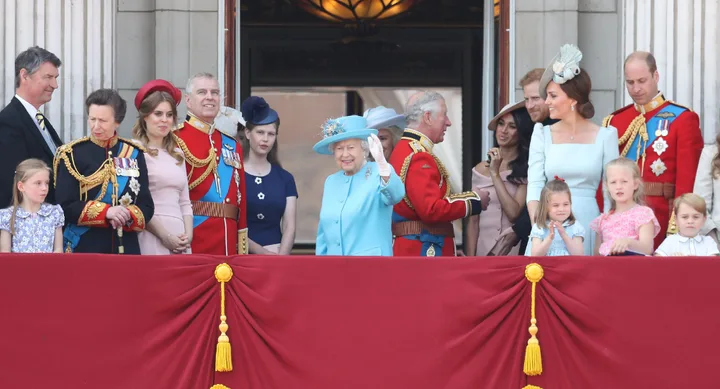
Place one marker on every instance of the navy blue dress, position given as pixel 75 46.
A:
pixel 266 200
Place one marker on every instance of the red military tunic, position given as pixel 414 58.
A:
pixel 217 188
pixel 668 159
pixel 422 222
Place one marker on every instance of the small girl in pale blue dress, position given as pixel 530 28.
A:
pixel 30 225
pixel 556 232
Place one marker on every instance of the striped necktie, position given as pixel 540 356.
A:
pixel 46 135
pixel 41 120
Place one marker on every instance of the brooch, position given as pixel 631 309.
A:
pixel 658 167
pixel 660 146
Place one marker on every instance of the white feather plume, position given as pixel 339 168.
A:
pixel 227 120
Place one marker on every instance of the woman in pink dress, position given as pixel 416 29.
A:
pixel 504 176
pixel 170 231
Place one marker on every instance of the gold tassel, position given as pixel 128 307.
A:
pixel 533 359
pixel 218 386
pixel 223 353
pixel 524 387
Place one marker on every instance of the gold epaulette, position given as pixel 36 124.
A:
pixel 62 153
pixel 417 147
pixel 134 144
pixel 680 105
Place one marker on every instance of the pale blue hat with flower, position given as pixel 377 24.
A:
pixel 563 68
pixel 342 128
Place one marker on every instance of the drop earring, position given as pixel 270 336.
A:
pixel 572 108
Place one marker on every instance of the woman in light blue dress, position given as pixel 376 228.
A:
pixel 574 149
pixel 357 203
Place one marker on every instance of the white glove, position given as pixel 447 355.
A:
pixel 376 150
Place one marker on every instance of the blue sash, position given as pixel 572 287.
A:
pixel 73 232
pixel 225 174
pixel 427 239
pixel 669 114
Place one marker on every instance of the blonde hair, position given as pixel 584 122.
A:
pixel 554 186
pixel 639 194
pixel 23 172
pixel 693 201
pixel 139 131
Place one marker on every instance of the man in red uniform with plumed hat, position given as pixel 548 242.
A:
pixel 422 222
pixel 662 136
pixel 215 173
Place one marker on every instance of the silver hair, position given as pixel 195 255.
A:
pixel 31 60
pixel 363 144
pixel 191 80
pixel 428 102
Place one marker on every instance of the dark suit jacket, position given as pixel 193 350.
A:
pixel 21 139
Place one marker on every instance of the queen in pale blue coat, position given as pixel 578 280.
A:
pixel 356 212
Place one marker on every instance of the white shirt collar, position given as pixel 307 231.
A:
pixel 696 238
pixel 31 110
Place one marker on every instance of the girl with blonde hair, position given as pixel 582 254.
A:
pixel 31 225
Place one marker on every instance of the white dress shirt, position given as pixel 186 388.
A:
pixel 678 245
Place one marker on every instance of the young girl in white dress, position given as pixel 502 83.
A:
pixel 690 216
pixel 30 225
pixel 556 232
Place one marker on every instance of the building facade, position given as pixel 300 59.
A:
pixel 123 43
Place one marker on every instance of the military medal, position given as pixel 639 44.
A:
pixel 660 146
pixel 658 167
pixel 662 129
pixel 126 167
pixel 135 186
pixel 126 200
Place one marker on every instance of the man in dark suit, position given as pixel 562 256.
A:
pixel 25 132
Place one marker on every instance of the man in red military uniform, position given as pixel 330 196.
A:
pixel 662 136
pixel 215 173
pixel 422 222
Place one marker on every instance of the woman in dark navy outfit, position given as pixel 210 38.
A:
pixel 102 183
pixel 271 191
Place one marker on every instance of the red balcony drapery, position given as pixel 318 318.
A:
pixel 72 321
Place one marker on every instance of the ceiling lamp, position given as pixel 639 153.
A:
pixel 355 10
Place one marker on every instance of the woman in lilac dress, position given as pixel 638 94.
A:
pixel 170 231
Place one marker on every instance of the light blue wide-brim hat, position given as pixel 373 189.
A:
pixel 346 127
pixel 382 117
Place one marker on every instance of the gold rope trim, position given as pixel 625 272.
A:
pixel 403 176
pixel 210 162
pixel 533 359
pixel 223 353
pixel 218 386
pixel 524 387
pixel 607 120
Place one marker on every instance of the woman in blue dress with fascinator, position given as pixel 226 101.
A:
pixel 357 203
pixel 574 149
pixel 271 191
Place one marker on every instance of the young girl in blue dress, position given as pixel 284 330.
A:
pixel 556 232
pixel 270 190
pixel 30 225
